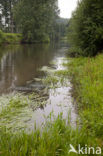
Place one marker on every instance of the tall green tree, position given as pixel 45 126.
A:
pixel 86 27
pixel 35 19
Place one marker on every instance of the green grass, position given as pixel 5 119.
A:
pixel 54 140
pixel 10 38
pixel 87 74
pixel 56 136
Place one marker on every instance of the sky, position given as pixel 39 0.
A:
pixel 66 7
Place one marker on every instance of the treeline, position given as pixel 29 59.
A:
pixel 85 31
pixel 36 20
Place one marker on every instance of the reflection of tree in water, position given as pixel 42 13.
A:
pixel 7 75
pixel 20 63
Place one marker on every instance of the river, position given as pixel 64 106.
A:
pixel 19 65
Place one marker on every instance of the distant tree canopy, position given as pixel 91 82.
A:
pixel 85 31
pixel 36 19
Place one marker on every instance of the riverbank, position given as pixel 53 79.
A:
pixel 86 75
pixel 10 38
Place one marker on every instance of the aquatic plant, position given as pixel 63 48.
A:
pixel 16 110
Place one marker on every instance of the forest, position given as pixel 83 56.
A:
pixel 36 20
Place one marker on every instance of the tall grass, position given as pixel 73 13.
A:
pixel 87 76
pixel 54 140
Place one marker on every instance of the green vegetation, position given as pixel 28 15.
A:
pixel 57 135
pixel 10 38
pixel 85 31
pixel 36 20
pixel 16 110
pixel 88 92
pixel 53 141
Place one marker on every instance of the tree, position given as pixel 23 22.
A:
pixel 7 14
pixel 85 31
pixel 35 19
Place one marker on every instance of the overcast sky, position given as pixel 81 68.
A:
pixel 66 7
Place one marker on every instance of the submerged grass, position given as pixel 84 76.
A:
pixel 16 110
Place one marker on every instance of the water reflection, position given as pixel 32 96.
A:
pixel 20 63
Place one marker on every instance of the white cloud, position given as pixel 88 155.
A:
pixel 66 7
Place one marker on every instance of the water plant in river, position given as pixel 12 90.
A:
pixel 55 77
pixel 16 110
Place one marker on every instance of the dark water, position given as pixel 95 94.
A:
pixel 20 63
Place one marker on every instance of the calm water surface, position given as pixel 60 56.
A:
pixel 19 64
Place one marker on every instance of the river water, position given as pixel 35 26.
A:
pixel 19 65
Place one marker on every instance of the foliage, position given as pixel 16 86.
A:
pixel 36 19
pixel 85 31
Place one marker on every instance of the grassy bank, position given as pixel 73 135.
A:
pixel 10 38
pixel 87 77
pixel 54 140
